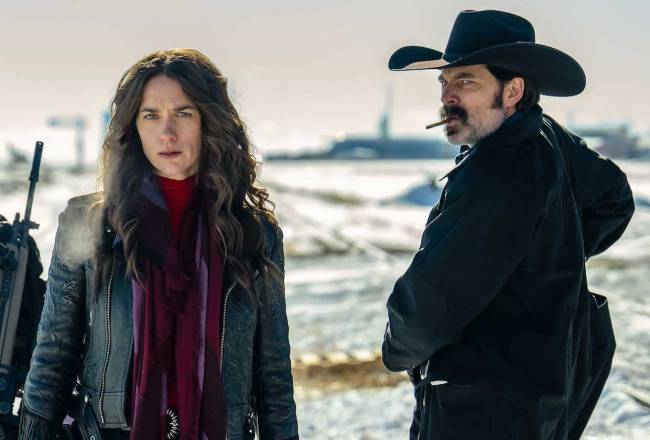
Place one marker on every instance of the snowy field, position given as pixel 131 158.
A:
pixel 350 230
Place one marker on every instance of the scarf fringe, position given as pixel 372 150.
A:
pixel 33 426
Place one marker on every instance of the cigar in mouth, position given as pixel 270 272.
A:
pixel 436 124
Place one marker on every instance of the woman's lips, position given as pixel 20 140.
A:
pixel 169 154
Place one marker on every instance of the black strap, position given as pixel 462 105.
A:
pixel 84 415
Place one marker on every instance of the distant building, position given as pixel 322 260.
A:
pixel 383 146
pixel 374 148
pixel 390 148
pixel 615 141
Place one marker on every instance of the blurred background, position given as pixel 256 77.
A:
pixel 345 155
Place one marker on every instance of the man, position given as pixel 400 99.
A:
pixel 493 319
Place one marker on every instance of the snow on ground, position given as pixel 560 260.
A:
pixel 350 231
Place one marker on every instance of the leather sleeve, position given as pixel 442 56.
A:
pixel 57 356
pixel 277 410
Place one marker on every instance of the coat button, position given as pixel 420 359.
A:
pixel 86 399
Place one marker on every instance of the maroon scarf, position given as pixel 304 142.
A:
pixel 177 321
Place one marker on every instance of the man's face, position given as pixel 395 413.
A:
pixel 169 125
pixel 473 98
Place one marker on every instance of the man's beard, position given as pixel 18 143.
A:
pixel 473 132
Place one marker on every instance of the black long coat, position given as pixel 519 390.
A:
pixel 491 311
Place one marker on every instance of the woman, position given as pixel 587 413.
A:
pixel 165 302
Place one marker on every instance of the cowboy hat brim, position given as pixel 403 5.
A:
pixel 554 72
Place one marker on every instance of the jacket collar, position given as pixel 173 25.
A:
pixel 518 127
pixel 150 190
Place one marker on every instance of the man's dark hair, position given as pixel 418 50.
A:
pixel 531 91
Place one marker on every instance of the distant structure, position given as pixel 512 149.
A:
pixel 79 124
pixel 616 142
pixel 16 157
pixel 383 146
pixel 106 122
pixel 389 148
pixel 384 120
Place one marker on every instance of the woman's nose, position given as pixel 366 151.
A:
pixel 168 133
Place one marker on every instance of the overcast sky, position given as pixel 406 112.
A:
pixel 301 72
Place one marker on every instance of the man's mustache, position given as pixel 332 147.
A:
pixel 453 111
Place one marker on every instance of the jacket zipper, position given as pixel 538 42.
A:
pixel 108 343
pixel 223 323
pixel 223 338
pixel 223 326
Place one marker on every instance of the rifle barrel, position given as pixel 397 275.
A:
pixel 33 178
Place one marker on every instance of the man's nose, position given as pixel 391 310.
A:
pixel 168 133
pixel 448 97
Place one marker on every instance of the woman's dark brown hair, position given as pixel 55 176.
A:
pixel 227 171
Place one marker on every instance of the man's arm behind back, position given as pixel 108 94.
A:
pixel 603 194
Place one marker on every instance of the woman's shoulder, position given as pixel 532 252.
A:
pixel 271 233
pixel 79 227
pixel 81 208
pixel 84 201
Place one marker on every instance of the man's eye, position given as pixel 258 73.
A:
pixel 465 82
pixel 184 114
pixel 150 116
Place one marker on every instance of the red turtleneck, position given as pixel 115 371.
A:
pixel 177 194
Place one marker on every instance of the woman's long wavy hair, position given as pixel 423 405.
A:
pixel 227 170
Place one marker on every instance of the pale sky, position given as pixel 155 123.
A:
pixel 301 72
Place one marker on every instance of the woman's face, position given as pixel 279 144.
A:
pixel 169 125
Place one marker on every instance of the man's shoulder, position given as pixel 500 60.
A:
pixel 559 133
pixel 524 174
pixel 528 162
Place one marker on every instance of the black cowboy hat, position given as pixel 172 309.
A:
pixel 503 40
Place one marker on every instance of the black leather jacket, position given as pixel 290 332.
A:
pixel 92 341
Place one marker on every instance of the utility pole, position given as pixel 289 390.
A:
pixel 384 121
pixel 78 124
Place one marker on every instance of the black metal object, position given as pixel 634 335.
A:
pixel 17 251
